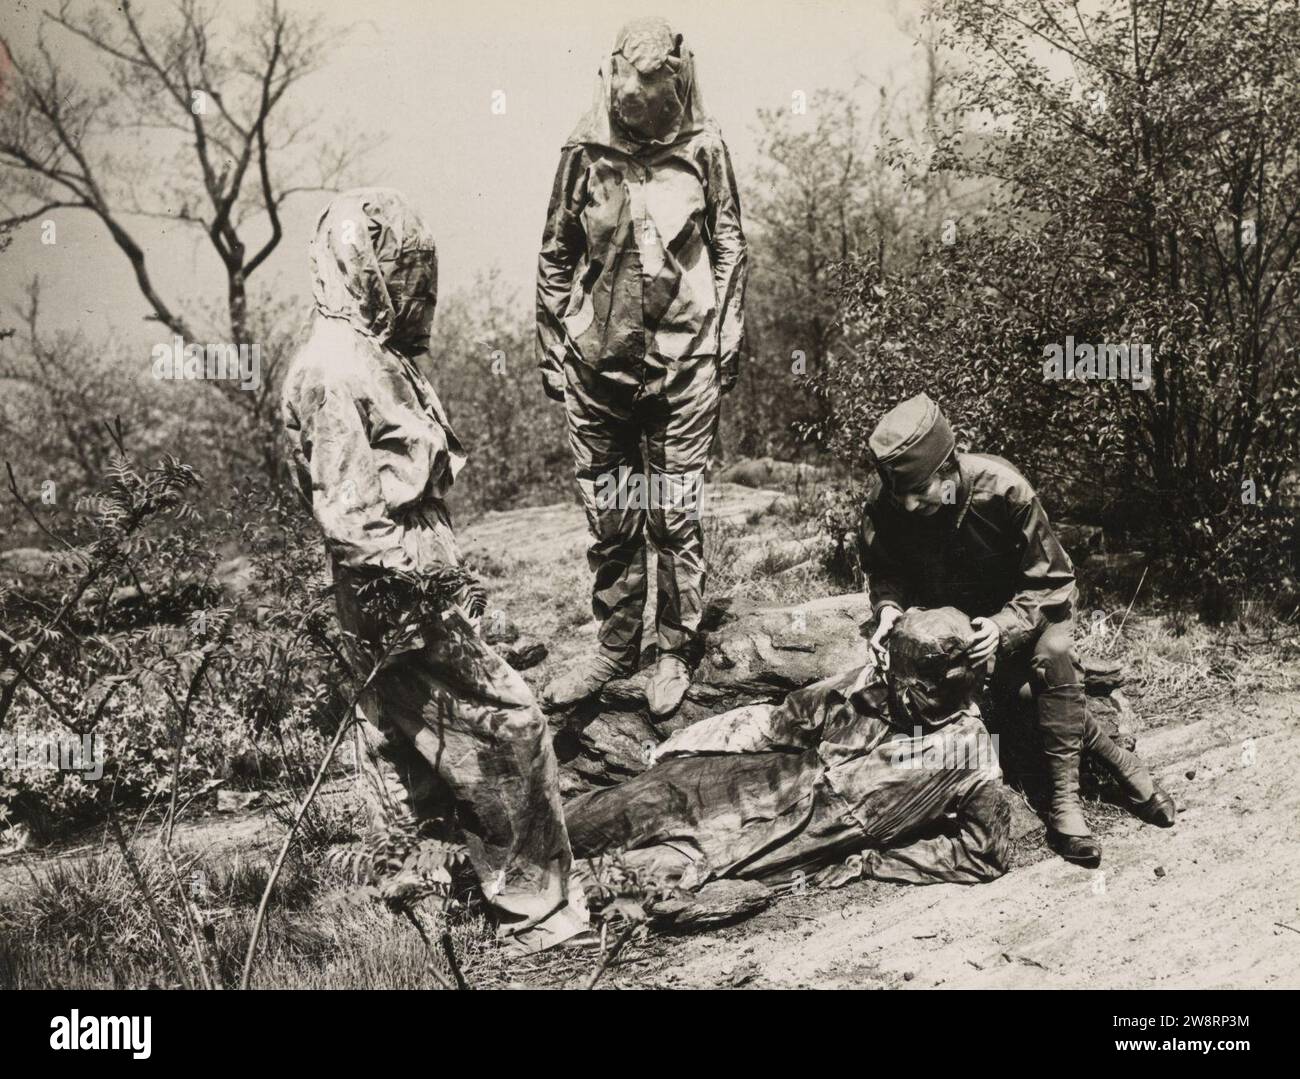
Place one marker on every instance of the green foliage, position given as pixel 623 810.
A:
pixel 401 862
pixel 810 204
pixel 129 637
pixel 485 371
pixel 1120 214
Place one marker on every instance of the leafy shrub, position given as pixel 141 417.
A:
pixel 1118 224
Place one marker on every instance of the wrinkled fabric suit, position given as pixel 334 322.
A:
pixel 641 283
pixel 449 728
pixel 773 792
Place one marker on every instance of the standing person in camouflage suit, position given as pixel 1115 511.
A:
pixel 450 730
pixel 641 284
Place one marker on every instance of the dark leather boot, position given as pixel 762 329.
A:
pixel 1080 849
pixel 1067 831
pixel 1158 809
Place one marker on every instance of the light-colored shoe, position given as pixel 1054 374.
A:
pixel 667 686
pixel 584 678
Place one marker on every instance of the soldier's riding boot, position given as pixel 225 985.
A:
pixel 1067 831
pixel 1127 769
pixel 1058 688
pixel 1146 798
pixel 1158 809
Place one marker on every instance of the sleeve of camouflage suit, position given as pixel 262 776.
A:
pixel 977 853
pixel 1046 575
pixel 730 258
pixel 885 579
pixel 347 498
pixel 563 241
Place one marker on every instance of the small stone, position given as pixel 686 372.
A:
pixel 908 975
pixel 498 629
pixel 236 801
pixel 1190 773
pixel 1160 871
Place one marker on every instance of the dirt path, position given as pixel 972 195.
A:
pixel 1193 906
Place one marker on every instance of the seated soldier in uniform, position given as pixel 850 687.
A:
pixel 967 530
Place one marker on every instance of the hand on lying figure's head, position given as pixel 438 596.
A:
pixel 930 679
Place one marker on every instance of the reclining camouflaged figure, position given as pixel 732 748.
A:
pixel 887 773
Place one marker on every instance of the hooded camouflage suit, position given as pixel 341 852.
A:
pixel 450 729
pixel 890 775
pixel 641 283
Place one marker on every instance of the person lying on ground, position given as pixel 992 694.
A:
pixel 886 772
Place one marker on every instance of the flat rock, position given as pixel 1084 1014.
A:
pixel 235 801
pixel 525 654
pixel 498 628
pixel 1102 675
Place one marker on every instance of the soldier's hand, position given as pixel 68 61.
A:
pixel 888 616
pixel 987 639
pixel 728 373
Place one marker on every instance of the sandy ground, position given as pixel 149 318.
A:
pixel 1212 902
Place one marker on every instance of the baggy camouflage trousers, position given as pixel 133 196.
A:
pixel 640 442
pixel 451 731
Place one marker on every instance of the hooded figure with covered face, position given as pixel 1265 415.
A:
pixel 641 283
pixel 450 730
pixel 886 772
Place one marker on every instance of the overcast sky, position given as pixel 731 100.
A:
pixel 423 73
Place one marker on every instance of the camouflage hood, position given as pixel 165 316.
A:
pixel 375 266
pixel 646 96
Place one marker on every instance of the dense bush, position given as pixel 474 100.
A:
pixel 484 368
pixel 131 636
pixel 1152 199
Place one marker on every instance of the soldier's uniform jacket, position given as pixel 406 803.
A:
pixel 993 554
